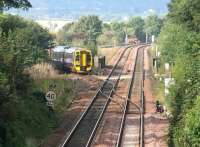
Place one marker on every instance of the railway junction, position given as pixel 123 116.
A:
pixel 116 110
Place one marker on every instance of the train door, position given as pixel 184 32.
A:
pixel 83 60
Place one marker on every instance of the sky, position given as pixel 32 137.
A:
pixel 106 9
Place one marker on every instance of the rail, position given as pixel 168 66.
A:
pixel 128 101
pixel 92 112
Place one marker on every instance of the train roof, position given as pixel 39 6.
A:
pixel 65 49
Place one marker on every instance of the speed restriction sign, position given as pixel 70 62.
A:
pixel 50 96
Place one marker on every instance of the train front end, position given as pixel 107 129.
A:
pixel 82 61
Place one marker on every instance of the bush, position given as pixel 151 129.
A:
pixel 187 132
pixel 42 71
pixel 180 44
pixel 63 89
pixel 23 115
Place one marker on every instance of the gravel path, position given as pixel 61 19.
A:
pixel 156 125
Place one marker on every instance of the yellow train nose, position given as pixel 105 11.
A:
pixel 84 60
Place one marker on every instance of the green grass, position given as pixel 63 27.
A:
pixel 158 89
pixel 33 114
pixel 64 90
pixel 158 86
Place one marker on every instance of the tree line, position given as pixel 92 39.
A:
pixel 23 111
pixel 179 41
pixel 90 31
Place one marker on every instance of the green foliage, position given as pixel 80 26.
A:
pixel 185 12
pixel 66 35
pixel 183 51
pixel 90 26
pixel 107 38
pixel 89 31
pixel 118 32
pixel 153 25
pixel 23 115
pixel 9 23
pixel 63 90
pixel 172 40
pixel 136 28
pixel 188 135
pixel 7 4
pixel 180 45
pixel 27 38
pixel 83 33
pixel 31 117
pixel 113 33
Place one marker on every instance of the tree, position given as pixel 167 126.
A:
pixel 22 44
pixel 106 27
pixel 118 31
pixel 153 25
pixel 106 38
pixel 180 45
pixel 172 40
pixel 33 37
pixel 136 28
pixel 7 4
pixel 69 35
pixel 84 32
pixel 91 26
pixel 186 12
pixel 9 23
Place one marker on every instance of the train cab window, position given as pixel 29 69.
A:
pixel 77 57
pixel 88 58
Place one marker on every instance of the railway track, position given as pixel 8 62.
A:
pixel 84 130
pixel 123 126
pixel 132 123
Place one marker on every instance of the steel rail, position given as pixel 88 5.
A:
pixel 127 102
pixel 92 102
pixel 104 109
pixel 142 106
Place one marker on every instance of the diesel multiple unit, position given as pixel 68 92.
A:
pixel 73 59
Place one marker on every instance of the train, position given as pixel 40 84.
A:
pixel 72 59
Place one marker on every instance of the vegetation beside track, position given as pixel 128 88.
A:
pixel 158 85
pixel 23 109
pixel 179 42
pixel 64 90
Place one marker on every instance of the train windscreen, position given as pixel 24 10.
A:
pixel 88 59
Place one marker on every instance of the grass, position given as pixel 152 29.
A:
pixel 46 78
pixel 158 85
pixel 64 90
pixel 43 71
pixel 159 91
pixel 108 52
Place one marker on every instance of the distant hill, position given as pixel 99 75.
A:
pixel 106 9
